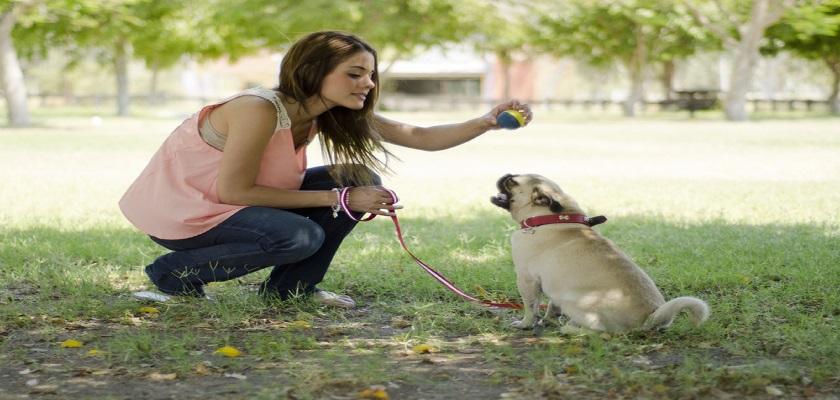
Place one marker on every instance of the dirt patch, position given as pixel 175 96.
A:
pixel 340 355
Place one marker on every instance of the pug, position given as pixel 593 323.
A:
pixel 586 277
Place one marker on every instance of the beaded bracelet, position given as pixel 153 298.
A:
pixel 336 208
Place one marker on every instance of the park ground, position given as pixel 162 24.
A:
pixel 742 215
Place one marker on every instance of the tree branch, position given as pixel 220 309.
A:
pixel 718 30
pixel 728 14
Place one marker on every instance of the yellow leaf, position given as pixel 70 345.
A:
pixel 374 392
pixel 148 310
pixel 71 344
pixel 228 351
pixel 300 325
pixel 94 353
pixel 423 349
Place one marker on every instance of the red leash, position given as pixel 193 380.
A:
pixel 344 196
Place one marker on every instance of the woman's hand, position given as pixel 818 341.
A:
pixel 372 199
pixel 490 118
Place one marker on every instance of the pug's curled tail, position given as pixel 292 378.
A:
pixel 664 315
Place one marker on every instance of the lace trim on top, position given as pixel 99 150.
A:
pixel 217 140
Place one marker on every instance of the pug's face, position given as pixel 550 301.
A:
pixel 530 195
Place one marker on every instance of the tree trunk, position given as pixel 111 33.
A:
pixel 668 70
pixel 385 73
pixel 153 94
pixel 636 70
pixel 834 98
pixel 121 72
pixel 746 57
pixel 13 82
pixel 504 63
pixel 740 79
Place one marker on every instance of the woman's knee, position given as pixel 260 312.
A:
pixel 299 242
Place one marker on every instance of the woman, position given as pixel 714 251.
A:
pixel 229 193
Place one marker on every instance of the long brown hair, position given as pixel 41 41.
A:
pixel 348 137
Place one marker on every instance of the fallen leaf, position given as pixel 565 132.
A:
pixel 773 391
pixel 299 325
pixel 236 376
pixel 228 351
pixel 201 369
pixel 377 392
pixel 100 372
pixel 423 349
pixel 32 382
pixel 157 376
pixel 71 344
pixel 94 353
pixel 641 361
pixel 148 310
pixel 574 350
pixel 44 389
pixel 399 322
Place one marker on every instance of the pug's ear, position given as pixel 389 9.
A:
pixel 539 198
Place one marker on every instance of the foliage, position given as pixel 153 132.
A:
pixel 604 32
pixel 811 31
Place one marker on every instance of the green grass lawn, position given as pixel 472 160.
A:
pixel 744 216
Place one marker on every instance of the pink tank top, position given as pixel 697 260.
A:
pixel 175 196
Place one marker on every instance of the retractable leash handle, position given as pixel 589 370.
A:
pixel 344 197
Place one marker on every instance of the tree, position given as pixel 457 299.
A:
pixel 396 28
pixel 812 32
pixel 11 74
pixel 170 30
pixel 634 33
pixel 80 26
pixel 502 31
pixel 740 25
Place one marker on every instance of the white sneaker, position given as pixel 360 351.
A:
pixel 331 299
pixel 151 296
pixel 160 297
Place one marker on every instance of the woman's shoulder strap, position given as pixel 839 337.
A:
pixel 283 121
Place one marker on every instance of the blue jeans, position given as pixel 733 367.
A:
pixel 298 243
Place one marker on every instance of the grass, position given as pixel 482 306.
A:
pixel 741 215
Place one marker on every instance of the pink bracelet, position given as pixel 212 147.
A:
pixel 344 199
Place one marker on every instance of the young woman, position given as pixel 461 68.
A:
pixel 229 192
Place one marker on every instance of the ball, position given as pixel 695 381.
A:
pixel 510 119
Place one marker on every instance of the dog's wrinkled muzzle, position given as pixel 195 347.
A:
pixel 503 198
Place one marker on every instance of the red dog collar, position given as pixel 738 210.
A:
pixel 562 219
